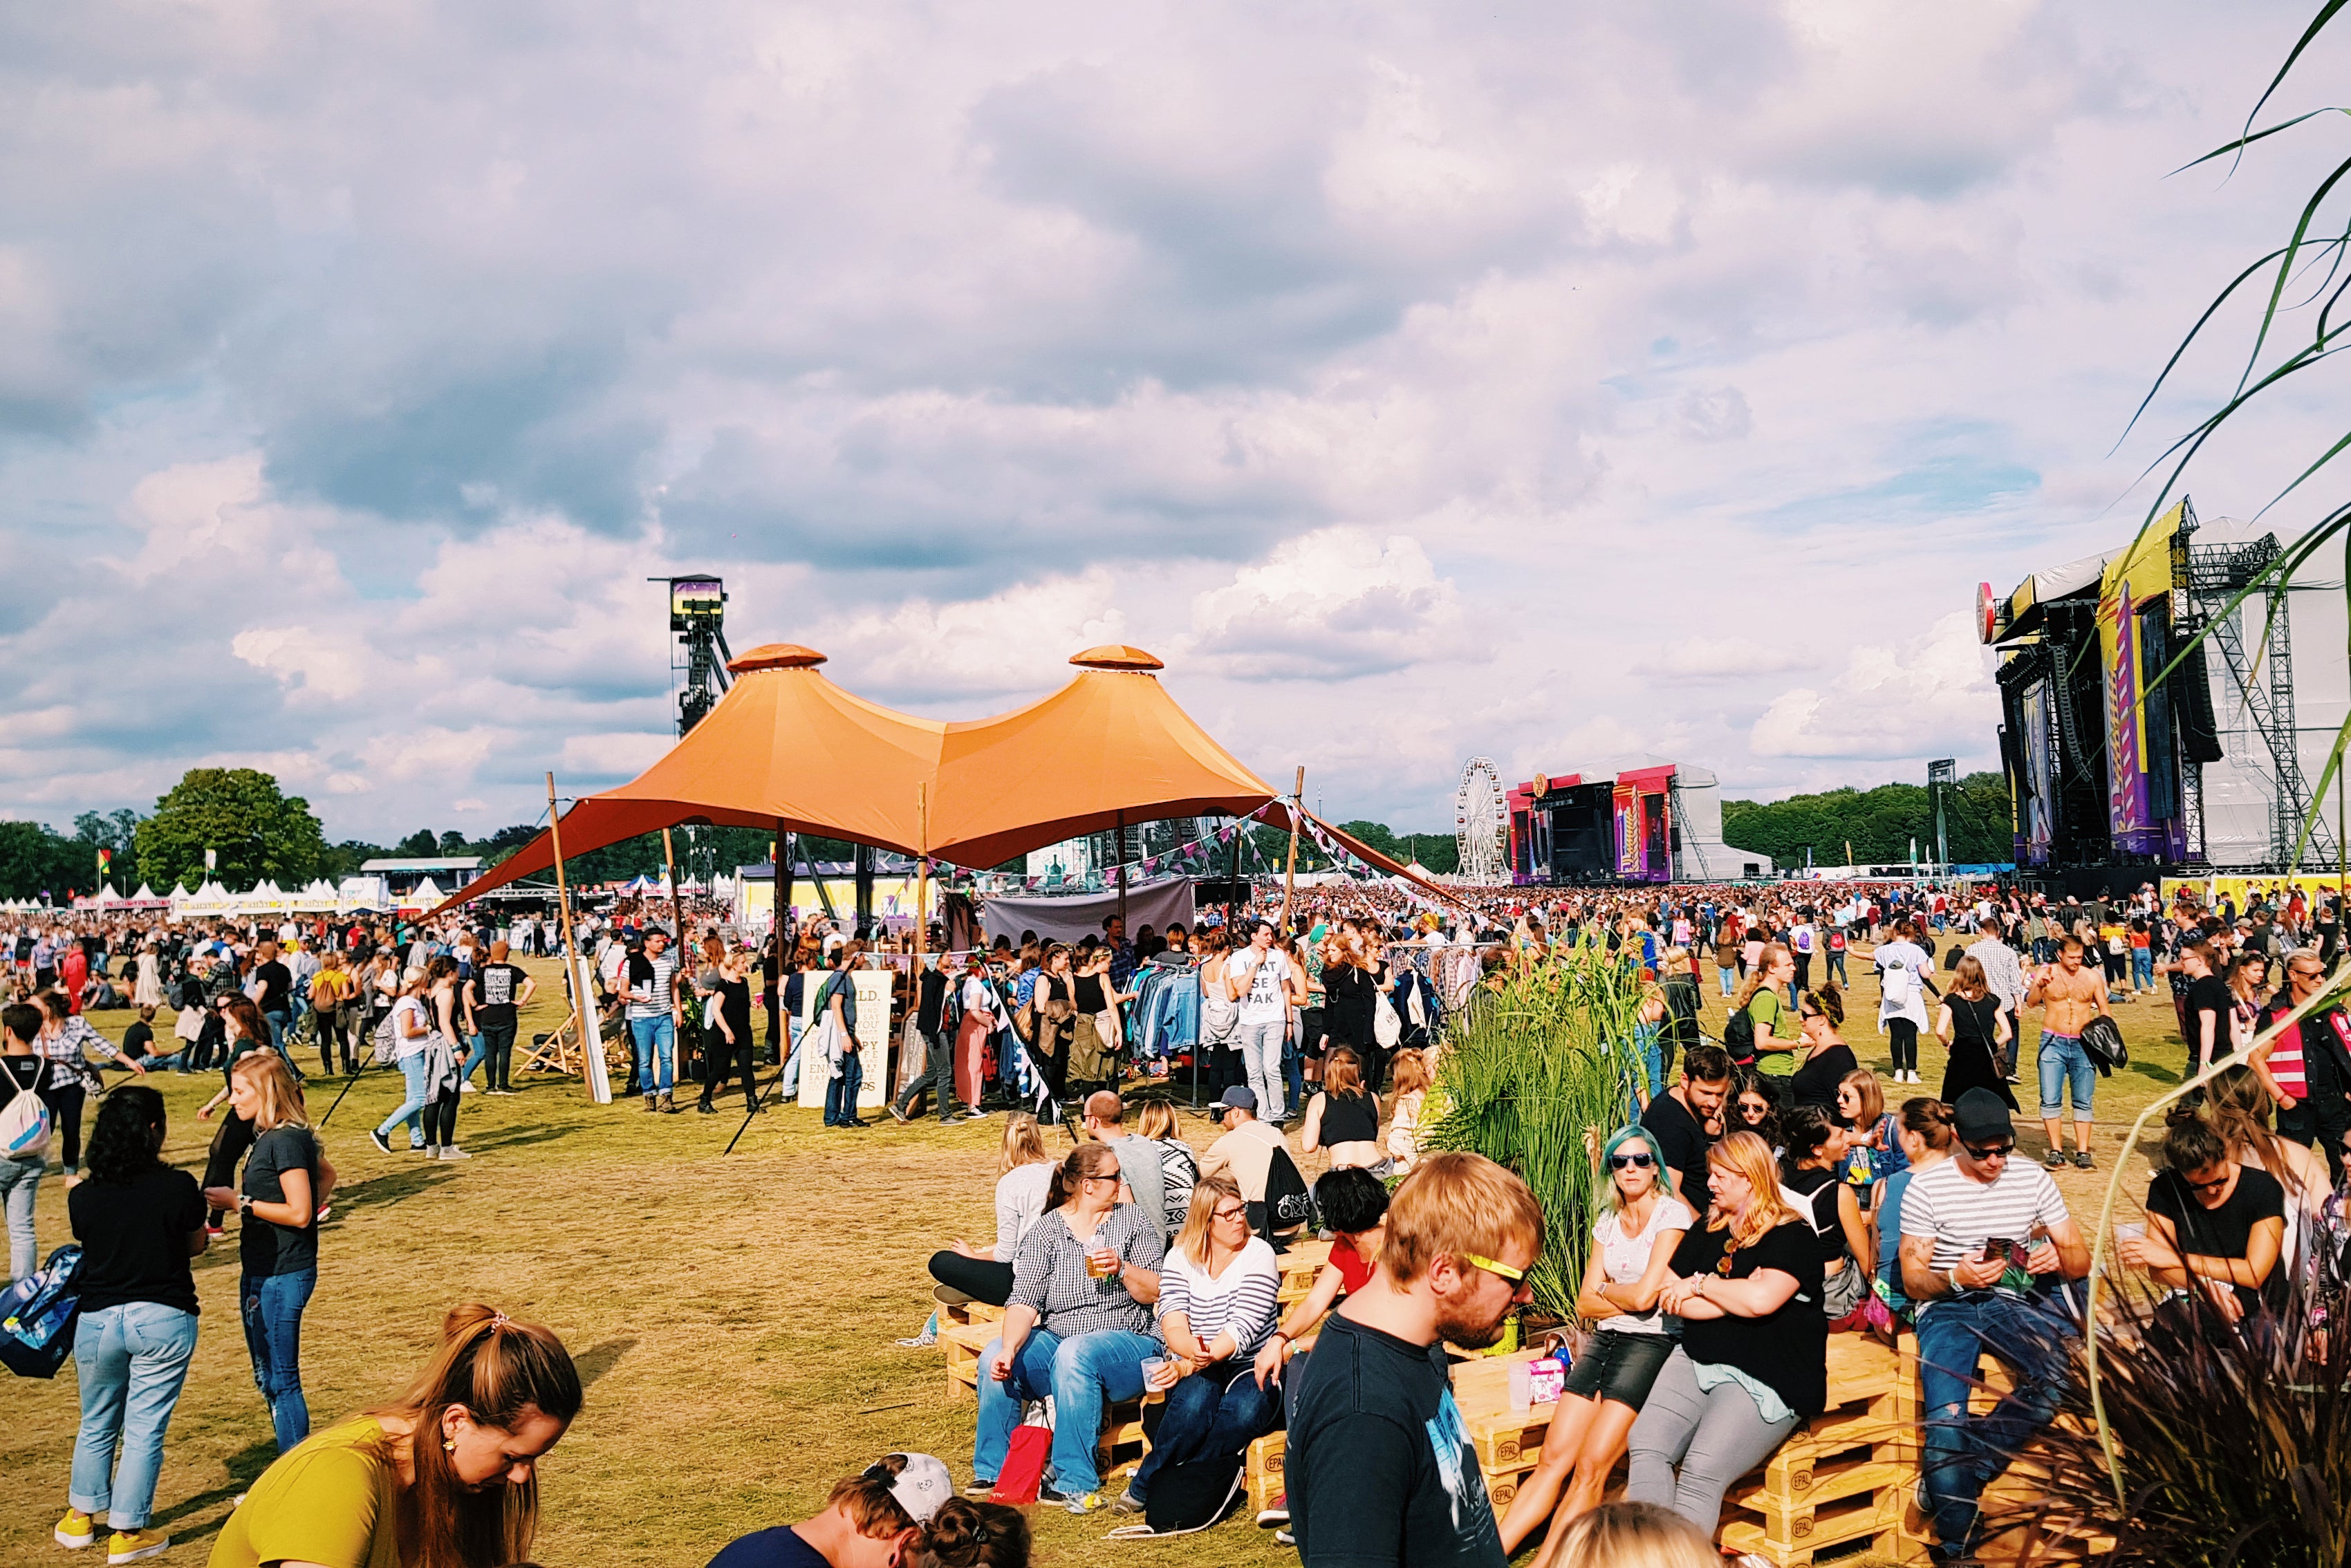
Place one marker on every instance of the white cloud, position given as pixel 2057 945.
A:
pixel 1541 382
pixel 1337 603
pixel 1934 692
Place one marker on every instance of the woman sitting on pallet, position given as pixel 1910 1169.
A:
pixel 1753 1360
pixel 1641 1224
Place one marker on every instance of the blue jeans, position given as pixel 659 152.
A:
pixel 1836 966
pixel 411 1103
pixel 1729 974
pixel 2142 967
pixel 2063 1060
pixel 272 1309
pixel 1294 1077
pixel 656 1043
pixel 841 1094
pixel 132 1360
pixel 480 1049
pixel 1965 1452
pixel 1081 1374
pixel 1648 1044
pixel 1215 1413
pixel 790 1091
pixel 20 1183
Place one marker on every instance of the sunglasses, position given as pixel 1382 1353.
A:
pixel 1638 1162
pixel 1988 1151
pixel 1500 1270
pixel 2213 1185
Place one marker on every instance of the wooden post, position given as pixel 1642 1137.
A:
pixel 922 876
pixel 1289 873
pixel 580 1004
pixel 677 909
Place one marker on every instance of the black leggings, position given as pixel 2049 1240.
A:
pixel 981 1279
pixel 498 1055
pixel 235 1136
pixel 724 1059
pixel 1905 1044
pixel 64 1110
pixel 440 1121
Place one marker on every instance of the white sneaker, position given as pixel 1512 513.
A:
pixel 452 1152
pixel 466 1087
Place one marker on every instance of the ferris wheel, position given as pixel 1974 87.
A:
pixel 1480 819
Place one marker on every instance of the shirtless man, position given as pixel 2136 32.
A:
pixel 2070 997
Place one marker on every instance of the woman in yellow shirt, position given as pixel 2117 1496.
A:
pixel 445 1476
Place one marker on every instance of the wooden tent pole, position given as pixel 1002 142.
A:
pixel 676 910
pixel 580 1004
pixel 1289 875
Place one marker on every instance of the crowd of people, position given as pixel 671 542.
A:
pixel 1745 1214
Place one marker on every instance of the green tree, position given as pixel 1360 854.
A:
pixel 1879 823
pixel 117 833
pixel 36 860
pixel 256 829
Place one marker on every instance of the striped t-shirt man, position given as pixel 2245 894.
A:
pixel 1960 1214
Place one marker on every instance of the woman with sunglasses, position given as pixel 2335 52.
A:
pixel 1754 1107
pixel 1825 1057
pixel 1754 1358
pixel 1641 1223
pixel 1216 1307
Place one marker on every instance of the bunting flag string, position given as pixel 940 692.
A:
pixel 1199 857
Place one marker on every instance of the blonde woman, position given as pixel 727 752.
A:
pixel 1216 1306
pixel 285 1182
pixel 1753 1360
pixel 1179 1167
pixel 1410 1078
pixel 1632 1535
pixel 444 1477
pixel 969 1273
pixel 1761 997
pixel 412 1029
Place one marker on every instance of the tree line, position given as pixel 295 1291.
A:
pixel 1880 824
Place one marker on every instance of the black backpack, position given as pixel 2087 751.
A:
pixel 1738 1039
pixel 1289 1201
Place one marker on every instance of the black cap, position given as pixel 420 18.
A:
pixel 1982 1115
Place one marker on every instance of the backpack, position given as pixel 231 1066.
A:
pixel 1289 1201
pixel 37 1314
pixel 1738 1037
pixel 25 1123
pixel 1386 1027
pixel 387 1040
pixel 1189 1496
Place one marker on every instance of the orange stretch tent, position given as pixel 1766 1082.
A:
pixel 785 746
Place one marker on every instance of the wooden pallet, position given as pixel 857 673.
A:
pixel 971 1312
pixel 1266 1478
pixel 1122 1443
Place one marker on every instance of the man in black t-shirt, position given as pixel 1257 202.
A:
pixel 2214 1225
pixel 1380 1464
pixel 1681 1118
pixel 277 999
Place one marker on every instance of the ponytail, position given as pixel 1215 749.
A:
pixel 965 1534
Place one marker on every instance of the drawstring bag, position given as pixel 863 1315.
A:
pixel 1024 1458
pixel 25 1126
pixel 37 1314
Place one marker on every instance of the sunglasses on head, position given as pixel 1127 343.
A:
pixel 1641 1161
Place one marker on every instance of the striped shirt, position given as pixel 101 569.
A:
pixel 1960 1214
pixel 1049 1274
pixel 649 997
pixel 63 1051
pixel 1240 1301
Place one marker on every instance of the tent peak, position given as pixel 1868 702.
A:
pixel 776 656
pixel 1115 656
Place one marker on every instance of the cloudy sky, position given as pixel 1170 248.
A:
pixel 1547 381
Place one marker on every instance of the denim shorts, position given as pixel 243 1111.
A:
pixel 1619 1367
pixel 2063 1060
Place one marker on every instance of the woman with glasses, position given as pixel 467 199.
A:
pixel 1753 1357
pixel 1633 1243
pixel 1216 1306
pixel 1754 1107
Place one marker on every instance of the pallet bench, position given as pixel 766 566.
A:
pixel 1122 1444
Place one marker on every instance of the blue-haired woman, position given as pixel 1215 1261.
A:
pixel 1641 1222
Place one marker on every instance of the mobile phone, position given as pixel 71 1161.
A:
pixel 2002 1247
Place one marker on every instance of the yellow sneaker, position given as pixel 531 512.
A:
pixel 76 1530
pixel 131 1545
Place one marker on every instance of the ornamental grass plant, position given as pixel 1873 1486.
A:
pixel 1528 1068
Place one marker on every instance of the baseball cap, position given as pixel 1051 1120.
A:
pixel 921 1484
pixel 1982 1114
pixel 1239 1097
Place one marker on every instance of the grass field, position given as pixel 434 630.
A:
pixel 733 1315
